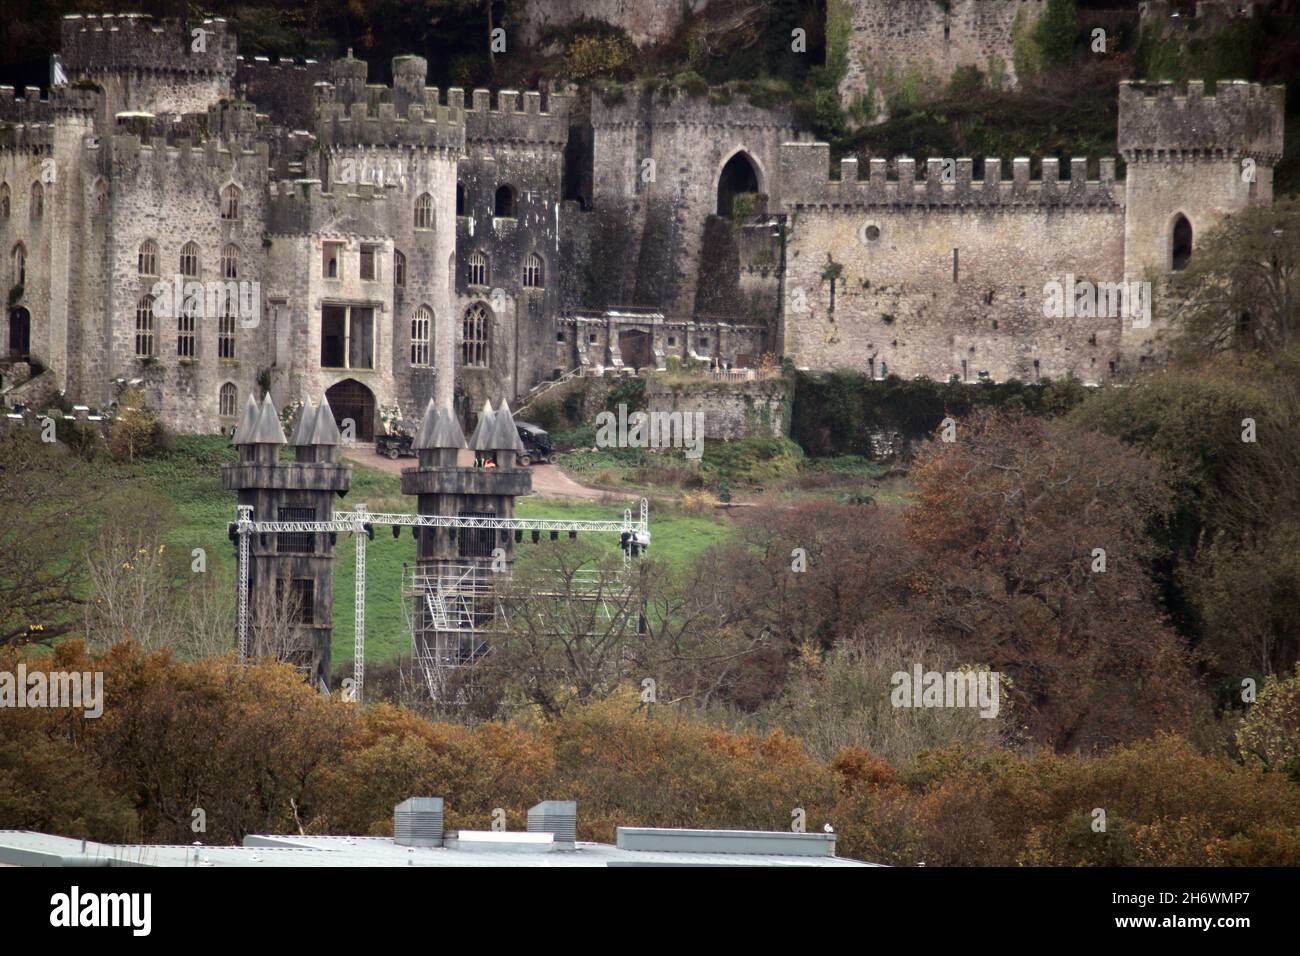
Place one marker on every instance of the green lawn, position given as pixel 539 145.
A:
pixel 185 486
pixel 675 538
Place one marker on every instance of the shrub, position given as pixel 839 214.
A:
pixel 134 430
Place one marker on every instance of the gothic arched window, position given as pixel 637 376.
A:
pixel 478 269
pixel 424 211
pixel 421 335
pixel 476 337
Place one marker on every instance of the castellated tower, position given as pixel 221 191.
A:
pixel 508 253
pixel 144 65
pixel 454 570
pixel 662 165
pixel 291 574
pixel 1192 159
pixel 378 234
pixel 186 207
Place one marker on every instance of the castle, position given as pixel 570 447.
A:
pixel 211 227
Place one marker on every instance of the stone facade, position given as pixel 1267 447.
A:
pixel 646 22
pixel 508 213
pixel 658 160
pixel 946 276
pixel 890 38
pixel 415 244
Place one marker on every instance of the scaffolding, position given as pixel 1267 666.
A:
pixel 456 614
pixel 450 609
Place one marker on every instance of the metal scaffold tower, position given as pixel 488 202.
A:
pixel 447 607
pixel 452 597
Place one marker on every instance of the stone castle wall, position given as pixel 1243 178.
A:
pixel 1198 156
pixel 148 66
pixel 169 192
pixel 646 22
pixel 933 271
pixel 515 142
pixel 662 207
pixel 890 38
pixel 942 279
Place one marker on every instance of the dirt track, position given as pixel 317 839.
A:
pixel 549 481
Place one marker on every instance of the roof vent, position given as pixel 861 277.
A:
pixel 418 822
pixel 557 817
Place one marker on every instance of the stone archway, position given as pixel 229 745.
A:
pixel 20 334
pixel 350 399
pixel 739 175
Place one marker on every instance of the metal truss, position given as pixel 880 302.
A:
pixel 361 523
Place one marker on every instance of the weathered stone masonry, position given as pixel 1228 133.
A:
pixel 945 277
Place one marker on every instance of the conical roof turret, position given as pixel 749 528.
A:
pixel 247 422
pixel 325 431
pixel 485 430
pixel 506 435
pixel 306 424
pixel 267 430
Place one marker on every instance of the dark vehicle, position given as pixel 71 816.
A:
pixel 398 444
pixel 537 444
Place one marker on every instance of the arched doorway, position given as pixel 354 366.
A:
pixel 636 348
pixel 20 334
pixel 740 175
pixel 350 399
pixel 1181 251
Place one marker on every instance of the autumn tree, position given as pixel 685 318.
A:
pixel 1037 564
pixel 1227 432
pixel 135 427
pixel 580 624
pixel 1269 734
pixel 1241 290
pixel 44 501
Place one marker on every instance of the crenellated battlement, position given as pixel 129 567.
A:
pixel 1241 118
pixel 231 124
pixel 350 112
pixel 303 207
pixel 141 138
pixel 133 42
pixel 509 117
pixel 436 127
pixel 28 108
pixel 26 137
pixel 805 168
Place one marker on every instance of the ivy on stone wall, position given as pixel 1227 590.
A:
pixel 718 291
pixel 836 413
pixel 626 391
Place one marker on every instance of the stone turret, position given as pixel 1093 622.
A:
pixel 290 573
pixel 1192 159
